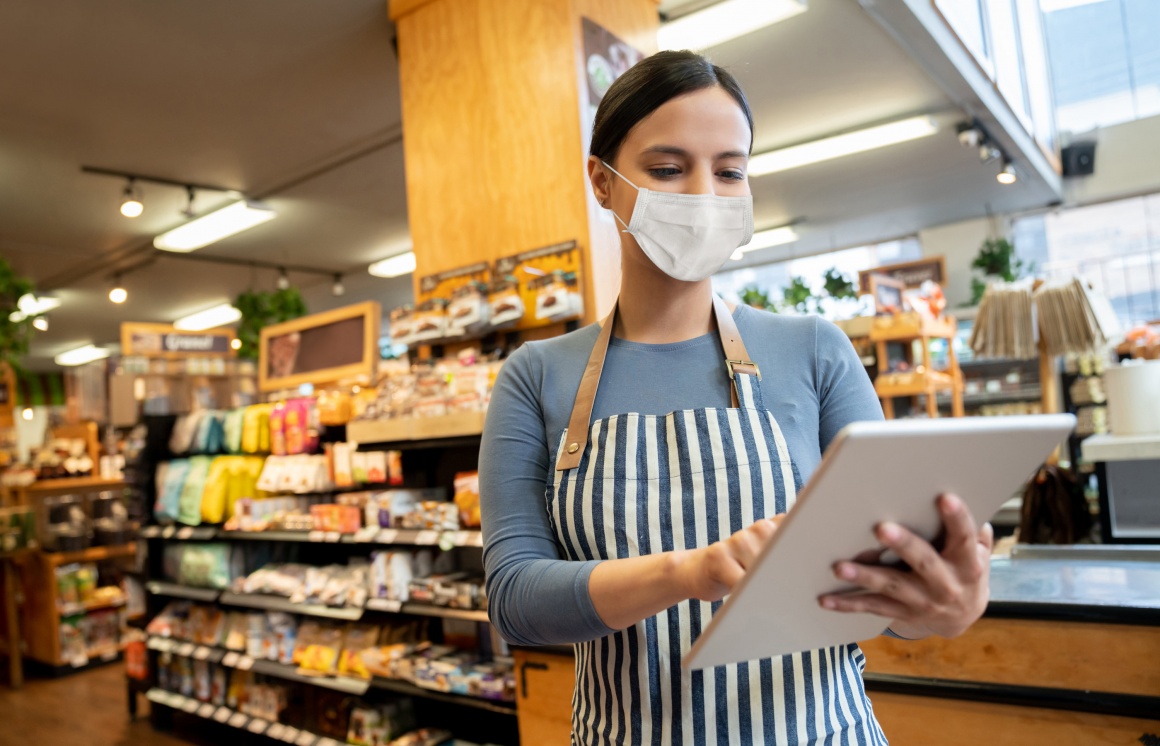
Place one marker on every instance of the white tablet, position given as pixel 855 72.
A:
pixel 872 472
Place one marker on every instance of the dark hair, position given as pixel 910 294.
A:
pixel 649 84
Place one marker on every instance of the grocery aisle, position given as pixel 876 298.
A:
pixel 85 709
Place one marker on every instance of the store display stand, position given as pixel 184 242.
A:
pixel 925 382
pixel 13 643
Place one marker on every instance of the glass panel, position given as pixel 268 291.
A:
pixel 1037 75
pixel 1089 64
pixel 1142 20
pixel 965 17
pixel 1004 35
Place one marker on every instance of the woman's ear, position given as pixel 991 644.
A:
pixel 599 178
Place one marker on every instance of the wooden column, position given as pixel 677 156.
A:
pixel 494 139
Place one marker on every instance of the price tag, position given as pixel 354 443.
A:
pixel 202 653
pixel 385 604
pixel 245 663
pixel 205 711
pixel 366 535
pixel 427 537
pixel 185 533
pixel 168 532
pixel 332 537
pixel 238 720
pixel 388 536
pixel 257 726
pixel 316 536
pixel 189 705
pixel 222 714
pixel 186 650
pixel 994 387
pixel 276 731
pixel 290 734
pixel 231 660
pixel 305 739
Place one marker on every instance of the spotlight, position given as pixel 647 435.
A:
pixel 337 288
pixel 131 204
pixel 988 153
pixel 283 280
pixel 118 294
pixel 969 135
pixel 27 414
pixel 1007 175
pixel 40 323
pixel 235 344
pixel 188 211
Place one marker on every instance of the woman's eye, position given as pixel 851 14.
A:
pixel 732 175
pixel 663 172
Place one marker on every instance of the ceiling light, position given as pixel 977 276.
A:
pixel 337 289
pixel 394 266
pixel 1007 175
pixel 208 319
pixel 81 355
pixel 27 414
pixel 40 323
pixel 969 135
pixel 988 153
pixel 118 294
pixel 235 344
pixel 767 238
pixel 283 281
pixel 723 21
pixel 842 145
pixel 31 304
pixel 131 204
pixel 215 226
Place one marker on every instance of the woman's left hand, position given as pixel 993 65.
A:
pixel 943 593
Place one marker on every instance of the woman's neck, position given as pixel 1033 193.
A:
pixel 656 309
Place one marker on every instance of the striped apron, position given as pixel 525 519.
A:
pixel 631 485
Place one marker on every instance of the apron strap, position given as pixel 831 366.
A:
pixel 736 362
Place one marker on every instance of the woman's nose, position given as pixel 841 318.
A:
pixel 701 182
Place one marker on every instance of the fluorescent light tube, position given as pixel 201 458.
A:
pixel 81 355
pixel 765 239
pixel 842 145
pixel 210 318
pixel 215 226
pixel 32 305
pixel 394 266
pixel 723 21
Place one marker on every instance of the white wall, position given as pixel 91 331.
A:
pixel 959 243
pixel 1127 163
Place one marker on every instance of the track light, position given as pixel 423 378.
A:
pixel 970 135
pixel 235 344
pixel 1007 175
pixel 131 204
pixel 283 282
pixel 40 323
pixel 337 289
pixel 118 294
pixel 988 153
pixel 188 211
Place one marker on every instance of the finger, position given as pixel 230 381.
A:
pixel 746 544
pixel 962 531
pixel 867 603
pixel 987 537
pixel 884 581
pixel 923 559
pixel 723 569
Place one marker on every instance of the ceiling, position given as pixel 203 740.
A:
pixel 297 102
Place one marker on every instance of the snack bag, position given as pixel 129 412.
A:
pixel 277 424
pixel 360 638
pixel 467 498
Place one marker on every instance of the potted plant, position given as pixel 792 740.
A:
pixel 997 261
pixel 16 327
pixel 799 296
pixel 260 309
pixel 756 298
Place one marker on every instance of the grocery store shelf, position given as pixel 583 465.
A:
pixel 237 720
pixel 470 615
pixel 92 554
pixel 403 429
pixel 405 687
pixel 998 397
pixel 373 537
pixel 85 608
pixel 77 485
pixel 174 590
pixel 277 603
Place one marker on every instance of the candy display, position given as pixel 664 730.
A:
pixel 447 386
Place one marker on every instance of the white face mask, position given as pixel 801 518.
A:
pixel 688 236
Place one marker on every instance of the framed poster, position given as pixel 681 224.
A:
pixel 912 274
pixel 321 348
pixel 163 340
pixel 887 293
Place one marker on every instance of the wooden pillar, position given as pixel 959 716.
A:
pixel 495 130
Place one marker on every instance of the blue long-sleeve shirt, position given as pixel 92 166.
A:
pixel 812 381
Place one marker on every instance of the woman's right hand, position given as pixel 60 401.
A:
pixel 709 573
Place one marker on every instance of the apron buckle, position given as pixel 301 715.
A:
pixel 739 366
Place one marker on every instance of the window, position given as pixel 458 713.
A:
pixel 773 278
pixel 1105 60
pixel 1115 246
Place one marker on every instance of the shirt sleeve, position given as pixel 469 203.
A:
pixel 845 392
pixel 534 596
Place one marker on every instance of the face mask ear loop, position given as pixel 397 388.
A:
pixel 626 181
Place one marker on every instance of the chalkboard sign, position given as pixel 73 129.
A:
pixel 911 274
pixel 322 348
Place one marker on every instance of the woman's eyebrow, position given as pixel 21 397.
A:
pixel 674 150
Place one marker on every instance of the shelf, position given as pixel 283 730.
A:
pixel 277 603
pixel 85 608
pixel 900 331
pixel 369 537
pixel 174 590
pixel 47 487
pixel 92 554
pixel 415 428
pixel 470 615
pixel 237 720
pixel 919 384
pixel 1121 448
pixel 999 397
pixel 405 687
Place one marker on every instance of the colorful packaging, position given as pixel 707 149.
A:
pixel 467 498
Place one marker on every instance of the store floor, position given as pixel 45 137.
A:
pixel 84 709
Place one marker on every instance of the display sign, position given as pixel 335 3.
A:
pixel 321 348
pixel 911 274
pixel 163 340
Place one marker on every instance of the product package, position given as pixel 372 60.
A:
pixel 360 639
pixel 467 498
pixel 507 307
pixel 469 311
pixel 402 325
pixel 430 320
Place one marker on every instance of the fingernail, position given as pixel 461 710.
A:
pixel 951 504
pixel 846 571
pixel 829 603
pixel 889 531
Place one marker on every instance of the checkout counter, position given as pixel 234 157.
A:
pixel 1068 654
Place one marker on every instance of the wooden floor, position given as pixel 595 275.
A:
pixel 84 709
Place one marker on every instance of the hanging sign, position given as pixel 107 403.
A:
pixel 321 348
pixel 163 340
pixel 910 274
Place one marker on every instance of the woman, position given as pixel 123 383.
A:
pixel 627 484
